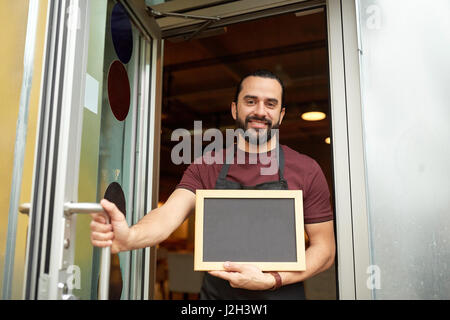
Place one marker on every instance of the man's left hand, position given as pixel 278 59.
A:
pixel 245 276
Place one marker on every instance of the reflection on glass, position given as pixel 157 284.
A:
pixel 405 75
pixel 121 32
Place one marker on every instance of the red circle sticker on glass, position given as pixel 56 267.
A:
pixel 118 90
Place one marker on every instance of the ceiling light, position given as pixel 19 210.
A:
pixel 313 113
pixel 313 116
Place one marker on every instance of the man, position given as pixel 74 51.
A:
pixel 257 109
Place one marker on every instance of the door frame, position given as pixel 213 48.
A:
pixel 352 235
pixel 147 184
pixel 351 219
pixel 56 163
pixel 59 127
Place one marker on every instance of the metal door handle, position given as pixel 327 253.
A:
pixel 69 207
pixel 82 207
pixel 105 260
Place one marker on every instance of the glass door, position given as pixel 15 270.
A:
pixel 405 127
pixel 97 124
pixel 107 155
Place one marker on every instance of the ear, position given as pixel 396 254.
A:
pixel 283 110
pixel 234 110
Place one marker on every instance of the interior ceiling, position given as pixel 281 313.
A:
pixel 200 78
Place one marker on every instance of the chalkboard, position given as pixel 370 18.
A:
pixel 260 227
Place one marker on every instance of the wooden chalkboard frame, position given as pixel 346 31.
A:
pixel 296 195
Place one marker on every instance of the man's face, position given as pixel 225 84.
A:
pixel 258 108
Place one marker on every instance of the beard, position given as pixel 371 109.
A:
pixel 257 136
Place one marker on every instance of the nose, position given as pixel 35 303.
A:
pixel 260 110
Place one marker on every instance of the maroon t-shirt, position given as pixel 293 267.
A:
pixel 300 171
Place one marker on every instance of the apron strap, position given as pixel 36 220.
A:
pixel 224 171
pixel 226 166
pixel 281 162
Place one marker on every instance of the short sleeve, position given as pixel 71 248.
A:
pixel 191 179
pixel 316 202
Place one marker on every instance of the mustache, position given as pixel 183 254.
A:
pixel 251 118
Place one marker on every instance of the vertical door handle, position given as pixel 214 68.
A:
pixel 105 260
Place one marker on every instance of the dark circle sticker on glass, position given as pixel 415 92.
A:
pixel 114 194
pixel 118 90
pixel 122 34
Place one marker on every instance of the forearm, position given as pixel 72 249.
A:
pixel 318 259
pixel 149 231
pixel 161 222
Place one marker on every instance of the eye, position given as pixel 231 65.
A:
pixel 251 102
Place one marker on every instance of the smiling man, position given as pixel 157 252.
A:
pixel 258 110
pixel 260 106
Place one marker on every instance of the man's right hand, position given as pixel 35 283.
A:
pixel 115 235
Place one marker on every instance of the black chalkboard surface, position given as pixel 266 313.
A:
pixel 260 227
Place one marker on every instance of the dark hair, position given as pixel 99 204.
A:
pixel 263 74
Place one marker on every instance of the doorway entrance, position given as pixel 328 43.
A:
pixel 77 59
pixel 199 82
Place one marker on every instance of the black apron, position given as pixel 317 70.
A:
pixel 214 288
